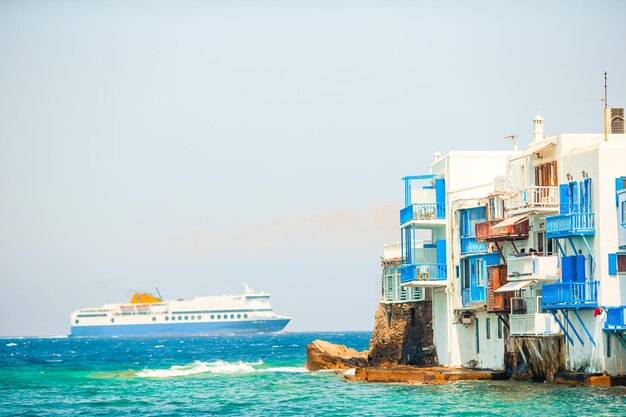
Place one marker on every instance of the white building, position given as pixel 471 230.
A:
pixel 521 249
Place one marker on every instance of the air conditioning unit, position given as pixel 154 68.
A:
pixel 616 120
pixel 467 320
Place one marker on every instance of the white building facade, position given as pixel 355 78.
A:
pixel 523 252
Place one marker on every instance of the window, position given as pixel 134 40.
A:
pixel 499 328
pixel 167 318
pixel 547 174
pixel 199 317
pixel 621 264
pixel 76 321
pixel 488 328
pixel 623 212
pixel 180 318
pixel 193 317
pixel 232 316
pixel 477 338
pixel 238 316
pixel 212 316
pixel 153 318
pixel 465 273
pixel 617 263
pixel 112 320
pixel 480 275
pixel 245 316
pixel 219 316
pixel 186 317
pixel 173 318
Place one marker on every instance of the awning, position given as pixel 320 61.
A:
pixel 511 221
pixel 515 285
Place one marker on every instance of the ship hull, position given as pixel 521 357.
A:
pixel 165 329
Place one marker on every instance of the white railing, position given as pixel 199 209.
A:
pixel 534 322
pixel 538 324
pixel 536 197
pixel 532 267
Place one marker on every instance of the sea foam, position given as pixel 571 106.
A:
pixel 217 368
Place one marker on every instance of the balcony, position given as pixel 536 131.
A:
pixel 476 294
pixel 572 224
pixel 533 322
pixel 532 267
pixel 538 324
pixel 423 212
pixel 470 245
pixel 615 319
pixel 537 198
pixel 570 295
pixel 485 231
pixel 424 275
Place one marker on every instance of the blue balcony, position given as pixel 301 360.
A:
pixel 615 319
pixel 572 224
pixel 569 295
pixel 475 294
pixel 469 245
pixel 423 273
pixel 422 211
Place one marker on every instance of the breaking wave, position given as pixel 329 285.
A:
pixel 216 368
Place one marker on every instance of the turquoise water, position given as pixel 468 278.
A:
pixel 259 375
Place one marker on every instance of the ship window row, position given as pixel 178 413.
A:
pixel 182 318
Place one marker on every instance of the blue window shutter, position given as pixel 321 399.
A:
pixel 573 197
pixel 441 251
pixel 612 264
pixel 440 197
pixel 564 198
pixel 587 187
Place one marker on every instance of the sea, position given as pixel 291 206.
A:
pixel 252 375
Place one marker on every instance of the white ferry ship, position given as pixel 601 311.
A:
pixel 147 314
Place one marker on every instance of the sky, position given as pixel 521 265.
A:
pixel 197 145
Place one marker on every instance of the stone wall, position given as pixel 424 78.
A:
pixel 403 335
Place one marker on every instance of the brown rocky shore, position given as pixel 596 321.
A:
pixel 402 351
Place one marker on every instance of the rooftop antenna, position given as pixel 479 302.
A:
pixel 159 292
pixel 606 110
pixel 513 138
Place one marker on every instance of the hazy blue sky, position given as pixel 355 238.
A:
pixel 197 145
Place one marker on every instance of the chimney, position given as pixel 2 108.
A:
pixel 538 128
pixel 437 155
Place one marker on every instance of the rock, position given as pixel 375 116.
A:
pixel 325 355
pixel 403 335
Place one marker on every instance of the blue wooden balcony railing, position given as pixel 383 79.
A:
pixel 570 224
pixel 475 294
pixel 615 318
pixel 465 296
pixel 469 245
pixel 478 294
pixel 569 295
pixel 422 211
pixel 423 272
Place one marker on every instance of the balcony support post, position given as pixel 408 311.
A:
pixel 620 337
pixel 571 325
pixel 553 312
pixel 592 265
pixel 500 252
pixel 571 242
pixel 558 245
pixel 582 323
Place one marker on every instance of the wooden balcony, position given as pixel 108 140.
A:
pixel 500 302
pixel 489 231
